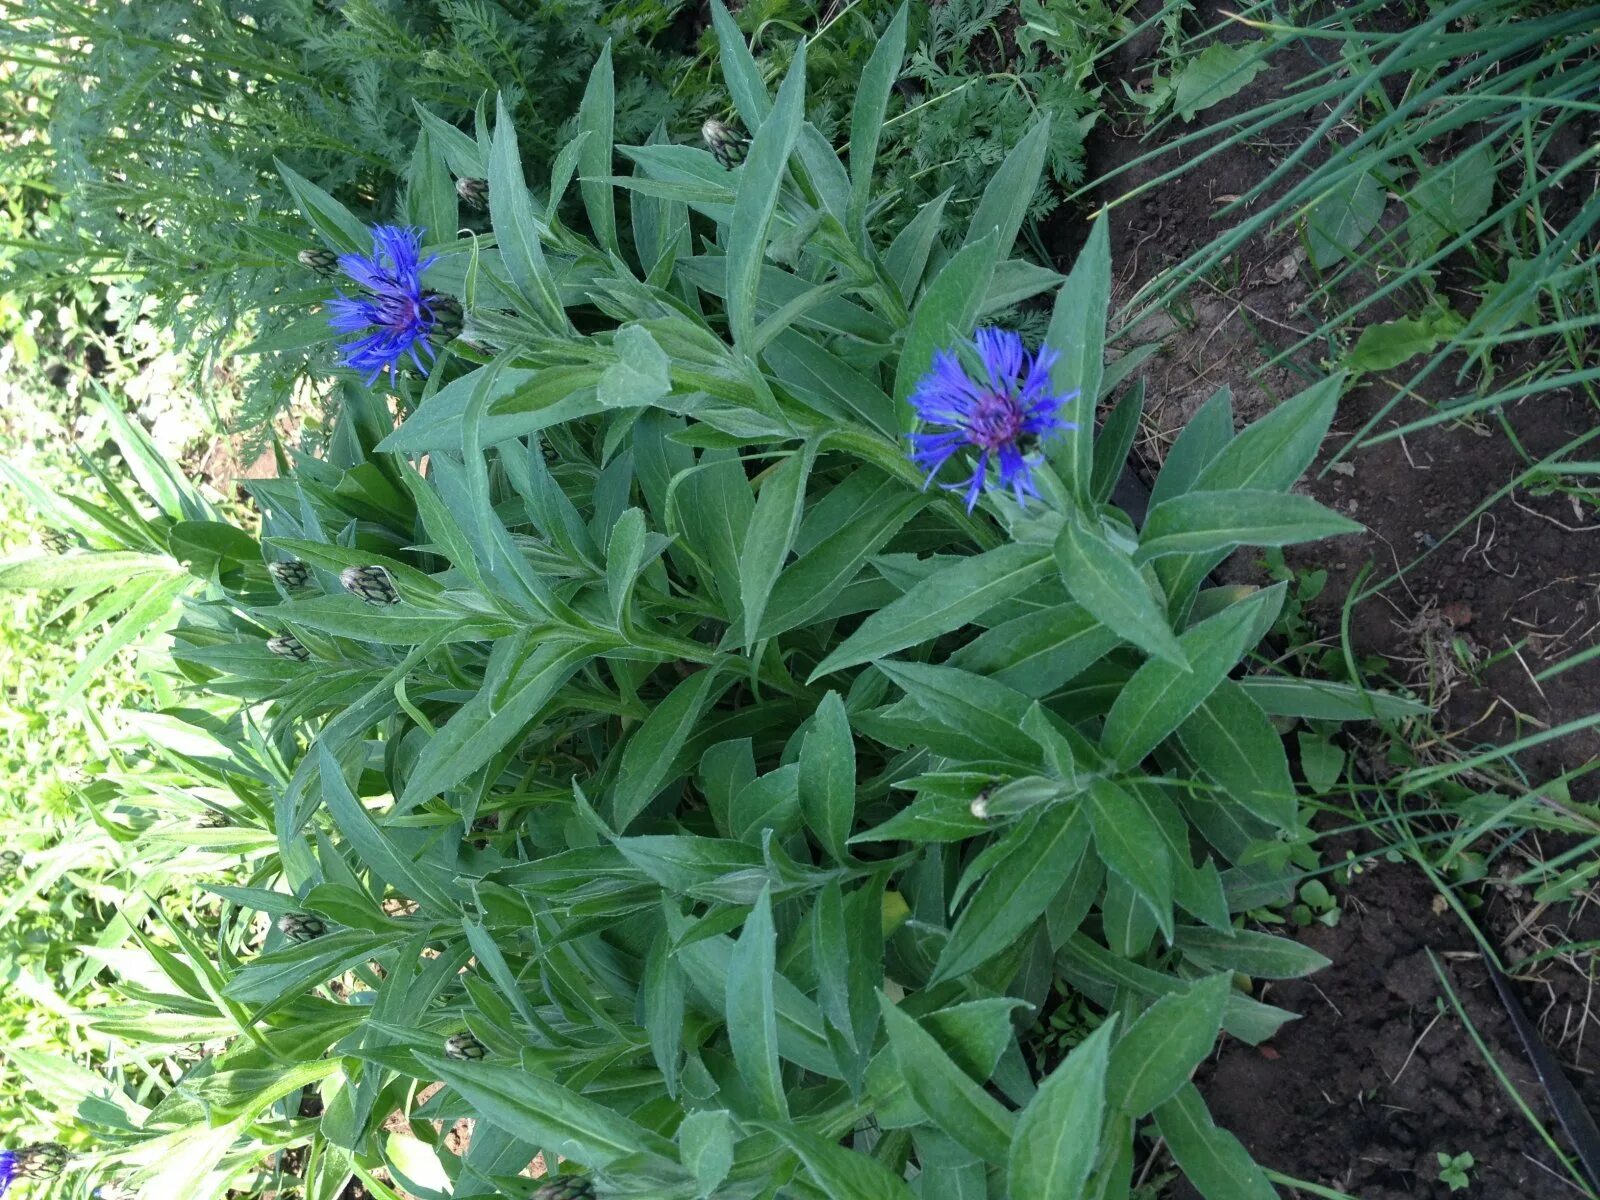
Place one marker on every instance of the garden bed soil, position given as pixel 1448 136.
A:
pixel 1377 1079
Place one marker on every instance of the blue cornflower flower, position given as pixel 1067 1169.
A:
pixel 8 1170
pixel 393 313
pixel 1003 416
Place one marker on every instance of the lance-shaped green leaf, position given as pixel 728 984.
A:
pixel 828 776
pixel 760 180
pixel 543 1113
pixel 1131 844
pixel 944 1091
pixel 516 228
pixel 1077 334
pixel 1160 696
pixel 943 317
pixel 770 535
pixel 751 1010
pixel 1212 1159
pixel 650 757
pixel 1011 190
pixel 954 594
pixel 842 1174
pixel 1207 522
pixel 287 973
pixel 1058 1135
pixel 596 115
pixel 866 118
pixel 739 69
pixel 1036 858
pixel 1160 1050
pixel 1233 742
pixel 1103 579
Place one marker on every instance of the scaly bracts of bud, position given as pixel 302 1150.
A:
pixel 291 574
pixel 323 262
pixel 301 927
pixel 727 145
pixel 286 645
pixel 474 192
pixel 463 1047
pixel 372 584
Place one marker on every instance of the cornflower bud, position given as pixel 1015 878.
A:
pixel 727 146
pixel 291 574
pixel 474 191
pixel 42 1160
pixel 286 645
pixel 301 927
pixel 323 262
pixel 463 1047
pixel 55 541
pixel 372 584
pixel 567 1187
pixel 211 819
pixel 448 318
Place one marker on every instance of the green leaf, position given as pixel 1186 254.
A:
pixel 101 569
pixel 1039 651
pixel 1077 334
pixel 866 117
pixel 1280 696
pixel 705 1139
pixel 1270 454
pixel 1386 344
pixel 1160 1050
pixel 1010 191
pixel 760 179
pixel 1131 844
pixel 943 317
pixel 541 1112
pixel 1160 696
pixel 739 69
pixel 969 707
pixel 770 535
pixel 1232 741
pixel 1114 442
pixel 642 373
pixel 954 594
pixel 596 115
pixel 1197 446
pixel 649 760
pixel 1212 1159
pixel 520 682
pixel 339 227
pixel 907 256
pixel 516 228
pixel 287 973
pixel 1208 522
pixel 752 1017
pixel 1340 220
pixel 1259 954
pixel 841 1174
pixel 1449 198
pixel 624 559
pixel 944 1091
pixel 828 777
pixel 1058 1135
pixel 1035 859
pixel 1219 71
pixel 1104 580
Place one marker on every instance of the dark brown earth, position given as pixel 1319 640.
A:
pixel 1381 1075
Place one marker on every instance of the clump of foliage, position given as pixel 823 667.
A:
pixel 650 756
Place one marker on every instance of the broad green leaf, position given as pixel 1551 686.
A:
pixel 285 974
pixel 596 115
pixel 1058 1135
pixel 102 569
pixel 943 1090
pixel 907 256
pixel 828 777
pixel 516 228
pixel 650 756
pixel 841 1173
pixel 760 179
pixel 706 1142
pixel 1245 950
pixel 1160 1050
pixel 1038 857
pixel 522 681
pixel 1010 191
pixel 1270 454
pixel 1232 741
pixel 1340 220
pixel 942 318
pixel 541 1112
pixel 968 706
pixel 1217 72
pixel 1384 345
pixel 1208 522
pixel 1132 845
pixel 1449 198
pixel 1101 577
pixel 752 1015
pixel 1077 334
pixel 866 117
pixel 1212 1159
pixel 640 376
pixel 770 535
pixel 624 558
pixel 1160 696
pixel 1114 442
pixel 953 595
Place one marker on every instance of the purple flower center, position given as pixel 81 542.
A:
pixel 997 418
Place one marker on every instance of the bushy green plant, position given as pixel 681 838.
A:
pixel 654 759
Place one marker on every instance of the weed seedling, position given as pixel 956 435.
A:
pixel 1455 1170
